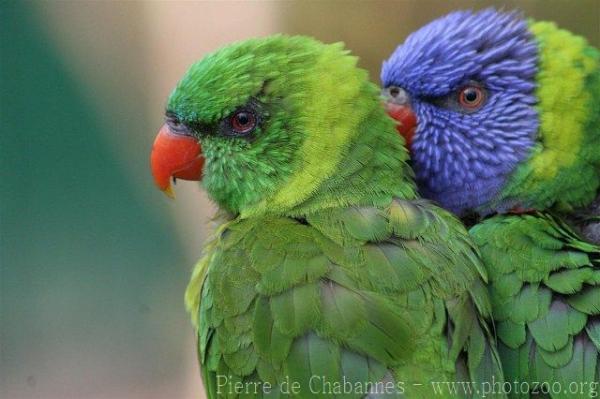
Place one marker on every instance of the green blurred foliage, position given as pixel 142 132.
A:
pixel 90 298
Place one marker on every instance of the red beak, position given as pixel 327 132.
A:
pixel 406 118
pixel 175 156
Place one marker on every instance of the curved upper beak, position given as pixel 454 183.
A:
pixel 397 105
pixel 175 156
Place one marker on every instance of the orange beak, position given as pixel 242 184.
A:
pixel 406 118
pixel 175 156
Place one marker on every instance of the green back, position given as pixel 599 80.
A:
pixel 545 292
pixel 361 294
pixel 544 279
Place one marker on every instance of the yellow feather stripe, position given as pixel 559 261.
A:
pixel 328 134
pixel 561 87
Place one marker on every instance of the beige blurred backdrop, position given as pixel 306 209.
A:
pixel 125 58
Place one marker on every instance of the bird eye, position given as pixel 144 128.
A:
pixel 471 97
pixel 243 122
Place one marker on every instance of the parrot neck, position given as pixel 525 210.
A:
pixel 364 180
pixel 563 170
pixel 351 153
pixel 371 170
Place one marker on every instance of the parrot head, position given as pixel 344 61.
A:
pixel 267 124
pixel 485 103
pixel 467 81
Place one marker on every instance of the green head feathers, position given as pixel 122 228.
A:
pixel 289 125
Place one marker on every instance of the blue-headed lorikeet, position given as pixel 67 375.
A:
pixel 503 116
pixel 326 266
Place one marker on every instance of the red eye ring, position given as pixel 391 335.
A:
pixel 243 122
pixel 471 97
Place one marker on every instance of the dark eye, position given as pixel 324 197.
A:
pixel 471 97
pixel 243 122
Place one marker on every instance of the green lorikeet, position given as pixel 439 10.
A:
pixel 503 115
pixel 327 275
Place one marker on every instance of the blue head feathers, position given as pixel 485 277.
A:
pixel 470 80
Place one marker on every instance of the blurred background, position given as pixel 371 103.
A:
pixel 94 261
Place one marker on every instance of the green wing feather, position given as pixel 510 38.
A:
pixel 365 294
pixel 545 293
